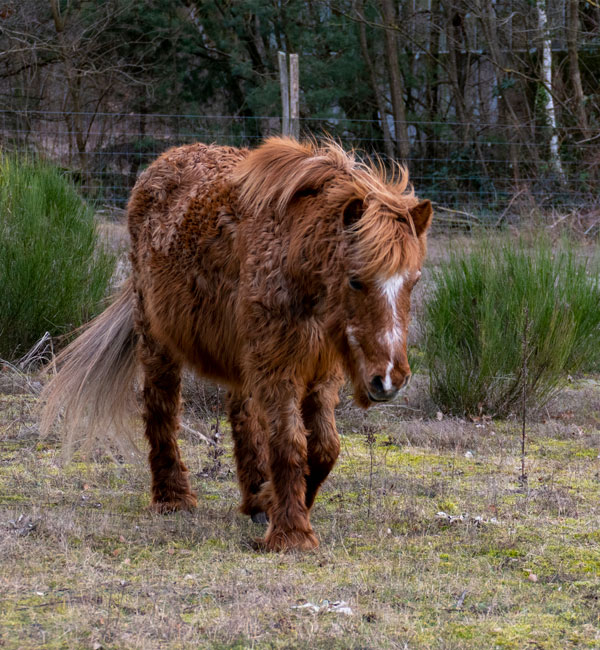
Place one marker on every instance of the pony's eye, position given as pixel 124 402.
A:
pixel 415 279
pixel 355 284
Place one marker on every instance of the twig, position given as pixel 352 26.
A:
pixel 523 477
pixel 469 215
pixel 591 227
pixel 202 437
pixel 370 439
pixel 507 208
pixel 560 220
pixel 34 388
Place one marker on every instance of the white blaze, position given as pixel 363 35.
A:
pixel 387 382
pixel 352 340
pixel 390 289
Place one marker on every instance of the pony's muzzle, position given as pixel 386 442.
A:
pixel 380 392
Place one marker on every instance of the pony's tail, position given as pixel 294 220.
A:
pixel 92 393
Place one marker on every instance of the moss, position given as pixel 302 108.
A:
pixel 194 580
pixel 448 506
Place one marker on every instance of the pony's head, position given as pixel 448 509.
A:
pixel 385 244
pixel 357 241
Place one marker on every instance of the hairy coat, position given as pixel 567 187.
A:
pixel 275 272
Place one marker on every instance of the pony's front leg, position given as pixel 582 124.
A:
pixel 249 431
pixel 318 411
pixel 289 523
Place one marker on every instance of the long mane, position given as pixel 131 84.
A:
pixel 271 176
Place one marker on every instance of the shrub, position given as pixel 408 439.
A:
pixel 503 308
pixel 53 269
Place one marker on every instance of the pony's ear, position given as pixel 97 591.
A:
pixel 421 215
pixel 353 211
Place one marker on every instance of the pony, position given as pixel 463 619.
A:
pixel 277 272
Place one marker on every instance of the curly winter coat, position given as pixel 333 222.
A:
pixel 274 272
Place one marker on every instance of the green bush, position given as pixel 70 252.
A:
pixel 53 270
pixel 507 320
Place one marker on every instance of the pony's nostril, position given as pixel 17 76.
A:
pixel 377 385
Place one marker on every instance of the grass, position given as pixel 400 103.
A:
pixel 54 270
pixel 85 564
pixel 510 319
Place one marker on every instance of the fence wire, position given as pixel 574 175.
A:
pixel 480 169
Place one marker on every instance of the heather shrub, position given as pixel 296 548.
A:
pixel 510 321
pixel 53 269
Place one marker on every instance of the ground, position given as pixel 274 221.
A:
pixel 427 534
pixel 85 564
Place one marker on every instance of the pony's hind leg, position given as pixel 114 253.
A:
pixel 250 441
pixel 323 439
pixel 162 387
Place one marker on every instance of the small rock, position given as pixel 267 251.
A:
pixel 469 454
pixel 337 607
pixel 532 577
pixel 340 607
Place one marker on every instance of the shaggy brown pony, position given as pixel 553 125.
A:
pixel 272 271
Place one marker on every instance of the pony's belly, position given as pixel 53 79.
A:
pixel 218 368
pixel 199 330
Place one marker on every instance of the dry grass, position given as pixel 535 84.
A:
pixel 85 565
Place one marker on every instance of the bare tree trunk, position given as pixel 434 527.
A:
pixel 574 73
pixel 457 76
pixel 379 98
pixel 74 118
pixel 487 15
pixel 433 73
pixel 396 85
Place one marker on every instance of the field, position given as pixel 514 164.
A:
pixel 429 539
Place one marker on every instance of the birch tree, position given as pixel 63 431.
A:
pixel 546 87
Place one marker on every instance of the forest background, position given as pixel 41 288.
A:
pixel 494 104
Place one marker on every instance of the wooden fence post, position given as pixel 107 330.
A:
pixel 294 97
pixel 285 93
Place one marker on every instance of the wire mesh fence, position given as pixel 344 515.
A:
pixel 484 170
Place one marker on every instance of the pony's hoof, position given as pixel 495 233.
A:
pixel 293 540
pixel 174 503
pixel 260 518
